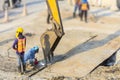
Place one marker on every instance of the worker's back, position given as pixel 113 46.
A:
pixel 30 54
pixel 21 43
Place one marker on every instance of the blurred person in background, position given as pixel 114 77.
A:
pixel 77 7
pixel 84 10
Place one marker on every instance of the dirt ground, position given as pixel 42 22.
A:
pixel 79 37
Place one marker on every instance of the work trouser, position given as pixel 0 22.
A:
pixel 76 7
pixel 84 13
pixel 21 65
pixel 30 61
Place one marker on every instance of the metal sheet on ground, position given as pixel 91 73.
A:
pixel 34 71
pixel 86 61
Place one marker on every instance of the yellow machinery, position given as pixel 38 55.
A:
pixel 50 38
pixel 89 60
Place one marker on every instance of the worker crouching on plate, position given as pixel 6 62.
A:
pixel 29 57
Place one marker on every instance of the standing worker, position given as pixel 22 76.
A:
pixel 19 45
pixel 77 6
pixel 84 9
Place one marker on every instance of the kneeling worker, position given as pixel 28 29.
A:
pixel 29 56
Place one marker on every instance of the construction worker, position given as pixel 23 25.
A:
pixel 84 10
pixel 77 6
pixel 29 56
pixel 19 45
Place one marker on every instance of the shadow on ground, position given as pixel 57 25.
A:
pixel 86 47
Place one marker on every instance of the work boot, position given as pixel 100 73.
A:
pixel 19 69
pixel 86 21
pixel 48 22
pixel 24 68
pixel 74 15
pixel 81 19
pixel 79 14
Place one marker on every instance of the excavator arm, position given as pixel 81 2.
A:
pixel 51 37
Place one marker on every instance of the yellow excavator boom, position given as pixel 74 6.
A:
pixel 50 38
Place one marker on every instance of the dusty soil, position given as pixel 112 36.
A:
pixel 77 40
pixel 104 73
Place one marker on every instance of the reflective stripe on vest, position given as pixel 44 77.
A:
pixel 21 45
pixel 84 6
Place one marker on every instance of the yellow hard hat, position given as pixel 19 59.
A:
pixel 19 30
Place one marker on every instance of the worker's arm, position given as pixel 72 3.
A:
pixel 25 41
pixel 15 44
pixel 88 6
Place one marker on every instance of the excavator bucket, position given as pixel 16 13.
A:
pixel 50 38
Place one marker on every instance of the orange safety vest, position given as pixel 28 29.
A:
pixel 84 6
pixel 21 45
